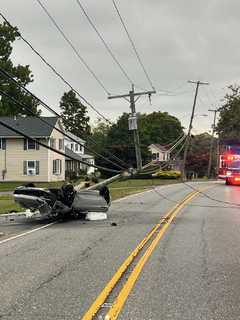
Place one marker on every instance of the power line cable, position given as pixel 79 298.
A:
pixel 211 198
pixel 20 132
pixel 57 129
pixel 192 205
pixel 73 47
pixel 44 60
pixel 54 112
pixel 167 162
pixel 104 42
pixel 133 45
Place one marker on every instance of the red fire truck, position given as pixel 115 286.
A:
pixel 229 163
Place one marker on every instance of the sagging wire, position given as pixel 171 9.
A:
pixel 6 74
pixel 211 198
pixel 54 70
pixel 21 133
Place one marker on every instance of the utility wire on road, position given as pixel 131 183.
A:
pixel 73 47
pixel 163 196
pixel 133 45
pixel 211 198
pixel 58 74
pixel 124 72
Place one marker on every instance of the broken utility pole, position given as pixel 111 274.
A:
pixel 187 143
pixel 133 120
pixel 212 141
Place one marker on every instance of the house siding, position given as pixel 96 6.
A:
pixel 163 156
pixel 12 159
pixel 54 156
pixel 15 155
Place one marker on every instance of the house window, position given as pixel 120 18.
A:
pixel 72 146
pixel 31 167
pixel 53 143
pixel 2 144
pixel 76 147
pixel 57 166
pixel 80 148
pixel 61 144
pixel 30 144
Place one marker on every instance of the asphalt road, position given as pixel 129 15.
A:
pixel 193 273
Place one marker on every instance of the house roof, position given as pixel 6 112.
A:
pixel 31 126
pixel 72 154
pixel 80 140
pixel 76 156
pixel 159 147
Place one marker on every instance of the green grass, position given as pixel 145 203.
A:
pixel 117 194
pixel 7 204
pixel 10 186
pixel 124 188
pixel 141 183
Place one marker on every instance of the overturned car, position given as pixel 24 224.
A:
pixel 63 202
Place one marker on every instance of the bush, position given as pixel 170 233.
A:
pixel 171 174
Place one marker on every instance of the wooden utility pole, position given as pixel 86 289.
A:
pixel 133 123
pixel 187 143
pixel 212 142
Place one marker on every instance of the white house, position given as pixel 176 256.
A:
pixel 159 153
pixel 24 159
pixel 77 151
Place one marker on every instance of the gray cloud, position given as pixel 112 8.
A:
pixel 178 40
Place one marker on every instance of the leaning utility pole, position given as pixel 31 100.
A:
pixel 133 120
pixel 198 83
pixel 212 141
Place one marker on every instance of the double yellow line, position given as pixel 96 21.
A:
pixel 158 231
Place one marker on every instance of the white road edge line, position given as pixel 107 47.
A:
pixel 26 233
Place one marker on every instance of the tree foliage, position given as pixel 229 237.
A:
pixel 229 118
pixel 74 114
pixel 20 73
pixel 156 127
pixel 198 156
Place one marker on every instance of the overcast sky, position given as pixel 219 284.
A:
pixel 177 41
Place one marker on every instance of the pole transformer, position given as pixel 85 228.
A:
pixel 133 123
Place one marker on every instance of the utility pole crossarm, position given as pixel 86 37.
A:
pixel 134 94
pixel 196 82
pixel 131 95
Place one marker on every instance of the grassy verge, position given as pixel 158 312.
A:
pixel 120 193
pixel 124 188
pixel 142 183
pixel 7 204
pixel 10 186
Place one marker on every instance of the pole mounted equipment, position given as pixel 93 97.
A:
pixel 133 120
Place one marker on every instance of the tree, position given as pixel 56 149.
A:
pixel 74 114
pixel 228 126
pixel 198 156
pixel 20 73
pixel 156 127
pixel 99 136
